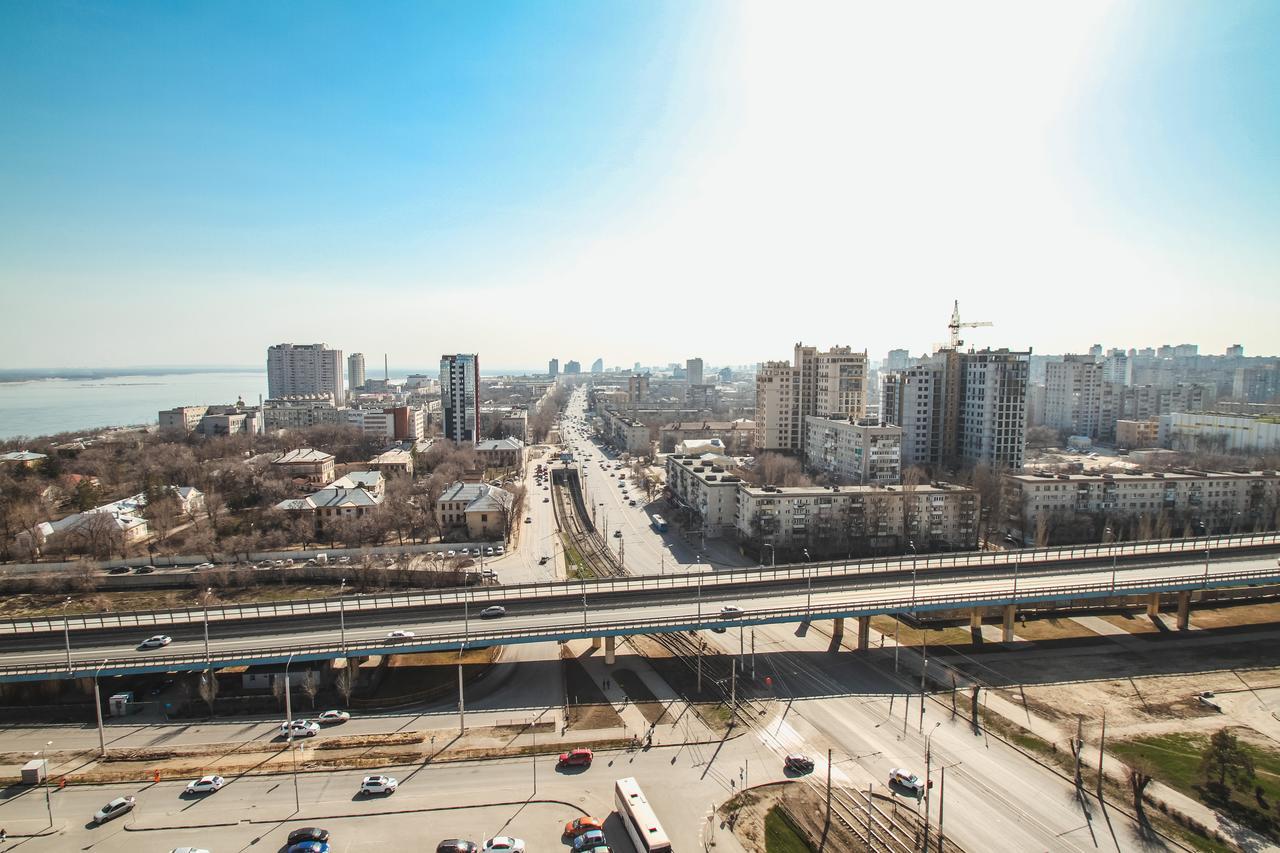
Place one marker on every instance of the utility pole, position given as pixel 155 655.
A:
pixel 828 786
pixel 942 801
pixel 753 654
pixel 1102 744
pixel 733 693
pixel 896 646
pixel 1079 746
pixel 462 708
pixel 288 712
pixel 701 643
pixel 66 633
pixel 97 706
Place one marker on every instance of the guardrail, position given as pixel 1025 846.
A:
pixel 735 577
pixel 575 628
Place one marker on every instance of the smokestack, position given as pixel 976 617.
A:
pixel 386 374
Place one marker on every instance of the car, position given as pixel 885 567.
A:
pixel 500 550
pixel 329 717
pixel 542 561
pixel 457 845
pixel 188 850
pixel 906 779
pixel 300 728
pixel 577 758
pixel 203 566
pixel 632 503
pixel 617 534
pixel 379 785
pixel 451 554
pixel 156 642
pixel 400 635
pixel 118 570
pixel 113 810
pixel 205 785
pixel 310 847
pixel 546 500
pixel 579 825
pixel 308 833
pixel 590 839
pixel 493 612
pixel 729 611
pixel 504 844
pixel 528 519
pixel 144 570
pixel 798 763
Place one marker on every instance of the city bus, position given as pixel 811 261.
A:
pixel 659 524
pixel 642 824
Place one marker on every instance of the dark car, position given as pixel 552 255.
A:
pixel 308 833
pixel 798 763
pixel 457 845
pixel 310 847
pixel 144 570
pixel 118 570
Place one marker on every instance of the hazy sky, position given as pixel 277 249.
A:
pixel 186 183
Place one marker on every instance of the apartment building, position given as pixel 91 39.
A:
pixel 707 492
pixel 1136 434
pixel 693 371
pixel 624 433
pixel 553 367
pixel 181 420
pixel 638 388
pixel 737 436
pixel 839 520
pixel 501 453
pixel 306 463
pixel 1219 432
pixel 1079 400
pixel 294 369
pixel 355 371
pixel 830 383
pixel 460 396
pixel 1147 402
pixel 961 408
pixel 1222 501
pixel 853 452
pixel 1256 384
pixel 300 411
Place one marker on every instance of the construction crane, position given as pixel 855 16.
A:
pixel 955 326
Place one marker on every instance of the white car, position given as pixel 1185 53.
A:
pixel 188 850
pixel 205 785
pixel 379 785
pixel 155 642
pixel 400 635
pixel 204 566
pixel 906 779
pixel 500 549
pixel 300 728
pixel 330 717
pixel 493 612
pixel 504 844
pixel 729 611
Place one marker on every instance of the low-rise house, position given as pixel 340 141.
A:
pixel 23 458
pixel 393 461
pixel 350 496
pixel 306 463
pixel 481 510
pixel 501 452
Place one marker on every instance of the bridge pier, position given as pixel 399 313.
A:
pixel 1184 610
pixel 1153 605
pixel 1006 624
pixel 596 642
pixel 975 619
pixel 837 629
pixel 864 633
pixel 609 643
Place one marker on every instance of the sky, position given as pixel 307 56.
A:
pixel 189 183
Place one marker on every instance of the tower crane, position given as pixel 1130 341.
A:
pixel 955 326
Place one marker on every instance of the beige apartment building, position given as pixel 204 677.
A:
pixel 707 492
pixel 853 452
pixel 830 383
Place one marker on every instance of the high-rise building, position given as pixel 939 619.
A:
pixel 897 359
pixel 572 368
pixel 460 396
pixel 553 367
pixel 961 408
pixel 1235 351
pixel 826 384
pixel 693 371
pixel 294 369
pixel 1079 399
pixel 597 366
pixel 355 371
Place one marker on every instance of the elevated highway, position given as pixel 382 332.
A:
pixel 106 644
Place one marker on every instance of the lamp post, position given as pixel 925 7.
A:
pixel 288 712
pixel 66 634
pixel 97 706
pixel 48 803
pixel 208 592
pixel 912 545
pixel 928 767
pixel 342 616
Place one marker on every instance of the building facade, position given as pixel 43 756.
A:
pixel 706 492
pixel 1136 434
pixel 1214 432
pixel 460 396
pixel 853 452
pixel 831 383
pixel 294 369
pixel 355 371
pixel 298 412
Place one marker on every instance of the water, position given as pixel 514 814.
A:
pixel 48 406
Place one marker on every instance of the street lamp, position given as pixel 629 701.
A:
pixel 66 631
pixel 288 712
pixel 912 545
pixel 928 767
pixel 48 803
pixel 342 616
pixel 208 592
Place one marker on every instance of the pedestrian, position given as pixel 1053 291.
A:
pixel 4 836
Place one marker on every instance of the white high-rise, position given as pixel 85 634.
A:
pixel 355 371
pixel 294 369
pixel 826 384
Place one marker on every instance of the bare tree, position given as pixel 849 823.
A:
pixel 345 682
pixel 208 688
pixel 1138 773
pixel 310 687
pixel 277 689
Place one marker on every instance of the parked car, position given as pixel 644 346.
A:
pixel 310 847
pixel 493 612
pixel 501 550
pixel 546 500
pixel 113 810
pixel 577 758
pixel 906 779
pixel 379 785
pixel 205 785
pixel 457 845
pixel 504 844
pixel 400 635
pixel 118 570
pixel 308 833
pixel 188 850
pixel 144 570
pixel 590 839
pixel 300 728
pixel 798 763
pixel 330 717
pixel 579 825
pixel 542 561
pixel 156 642
pixel 528 519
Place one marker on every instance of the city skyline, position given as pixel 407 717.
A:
pixel 598 156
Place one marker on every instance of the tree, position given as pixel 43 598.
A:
pixel 277 689
pixel 345 682
pixel 208 688
pixel 1138 773
pixel 1224 759
pixel 310 687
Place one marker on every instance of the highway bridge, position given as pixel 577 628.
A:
pixel 107 644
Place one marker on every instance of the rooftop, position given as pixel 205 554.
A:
pixel 304 455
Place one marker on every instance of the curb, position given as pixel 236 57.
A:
pixel 311 818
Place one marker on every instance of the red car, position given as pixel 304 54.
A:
pixel 577 758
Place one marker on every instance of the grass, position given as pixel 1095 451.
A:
pixel 1174 759
pixel 780 836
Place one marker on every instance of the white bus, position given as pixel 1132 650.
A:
pixel 642 824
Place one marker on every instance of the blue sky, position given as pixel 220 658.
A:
pixel 188 183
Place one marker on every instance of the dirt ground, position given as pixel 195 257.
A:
pixel 587 706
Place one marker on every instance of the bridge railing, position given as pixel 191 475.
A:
pixel 689 582
pixel 574 626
